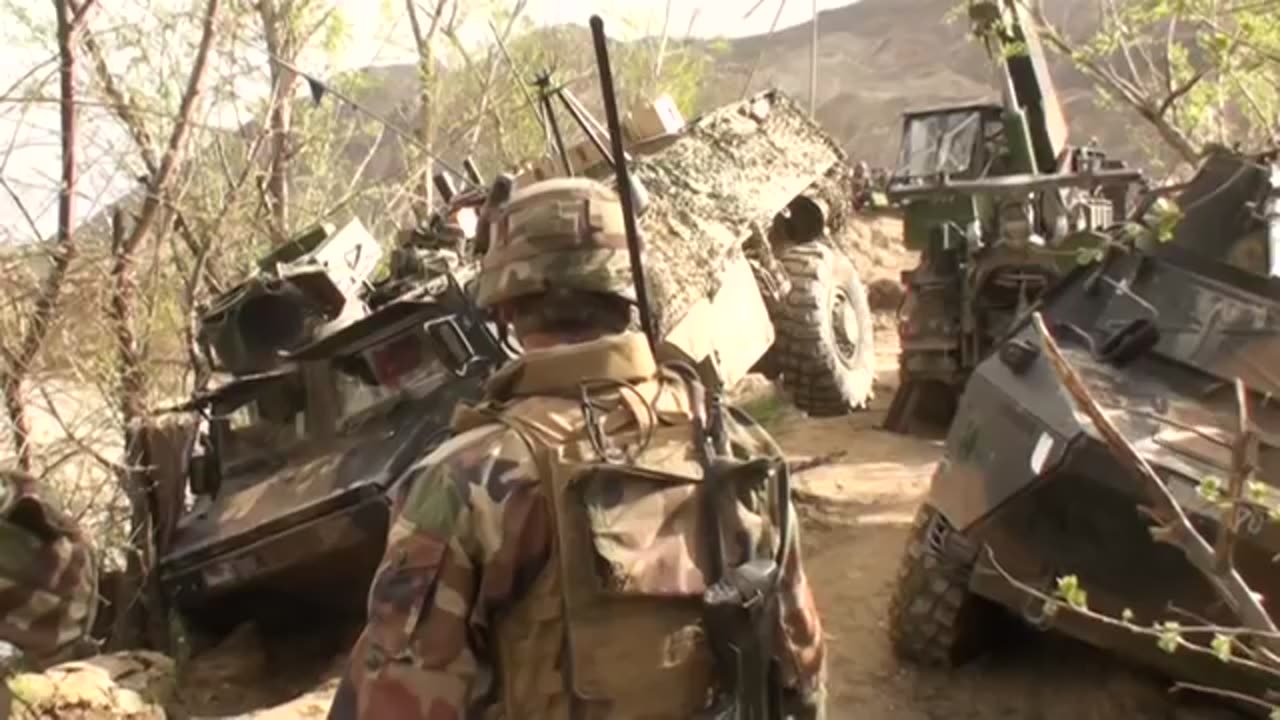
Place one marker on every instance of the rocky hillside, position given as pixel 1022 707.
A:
pixel 880 57
pixel 877 59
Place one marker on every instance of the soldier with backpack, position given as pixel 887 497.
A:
pixel 587 545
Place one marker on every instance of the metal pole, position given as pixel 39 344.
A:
pixel 586 128
pixel 625 193
pixel 813 64
pixel 544 97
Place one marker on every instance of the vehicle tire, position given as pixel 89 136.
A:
pixel 825 333
pixel 934 620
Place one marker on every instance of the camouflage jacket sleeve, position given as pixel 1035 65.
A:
pixel 48 574
pixel 800 650
pixel 469 530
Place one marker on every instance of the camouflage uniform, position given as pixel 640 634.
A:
pixel 48 578
pixel 511 590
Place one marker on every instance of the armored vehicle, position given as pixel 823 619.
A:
pixel 745 210
pixel 336 383
pixel 333 386
pixel 1028 490
pixel 996 202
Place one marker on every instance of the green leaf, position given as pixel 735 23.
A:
pixel 1210 488
pixel 1088 255
pixel 1015 49
pixel 1257 491
pixel 1170 635
pixel 1167 216
pixel 337 33
pixel 1221 646
pixel 1069 589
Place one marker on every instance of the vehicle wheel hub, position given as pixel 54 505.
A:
pixel 844 323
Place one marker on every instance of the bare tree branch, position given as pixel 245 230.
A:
pixel 1175 527
pixel 158 184
pixel 22 208
pixel 425 43
pixel 131 373
pixel 18 362
pixel 24 77
pixel 1119 87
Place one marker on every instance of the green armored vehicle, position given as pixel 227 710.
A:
pixel 998 205
pixel 1031 491
pixel 337 383
pixel 334 385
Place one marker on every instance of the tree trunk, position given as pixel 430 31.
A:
pixel 136 621
pixel 281 45
pixel 17 362
pixel 130 614
pixel 425 40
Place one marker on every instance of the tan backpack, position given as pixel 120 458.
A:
pixel 624 467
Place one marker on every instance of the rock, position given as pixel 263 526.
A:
pixel 314 704
pixel 136 685
pixel 240 656
pixel 752 388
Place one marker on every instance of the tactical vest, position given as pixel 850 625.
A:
pixel 612 627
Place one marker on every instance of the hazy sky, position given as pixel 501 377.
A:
pixel 379 34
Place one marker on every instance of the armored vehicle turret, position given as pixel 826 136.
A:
pixel 330 385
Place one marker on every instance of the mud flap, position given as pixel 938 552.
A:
pixel 733 327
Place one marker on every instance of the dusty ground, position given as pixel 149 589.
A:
pixel 857 511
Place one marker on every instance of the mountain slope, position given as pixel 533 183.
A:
pixel 878 58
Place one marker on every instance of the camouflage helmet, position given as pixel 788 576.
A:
pixel 564 233
pixel 48 574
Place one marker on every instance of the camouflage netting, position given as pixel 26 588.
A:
pixel 730 170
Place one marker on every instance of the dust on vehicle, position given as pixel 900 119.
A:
pixel 744 207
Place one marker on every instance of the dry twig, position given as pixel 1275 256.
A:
pixel 1174 526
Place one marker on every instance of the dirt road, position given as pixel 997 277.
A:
pixel 856 513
